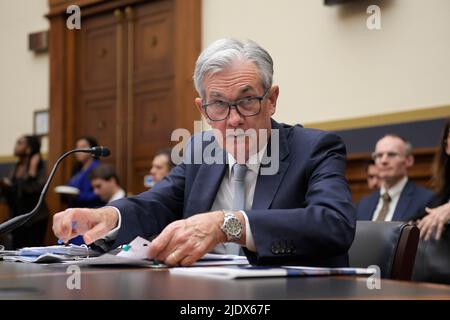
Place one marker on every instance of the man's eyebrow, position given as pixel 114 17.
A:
pixel 246 89
pixel 216 94
pixel 242 91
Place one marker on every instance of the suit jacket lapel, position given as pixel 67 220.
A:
pixel 267 185
pixel 372 203
pixel 206 184
pixel 403 202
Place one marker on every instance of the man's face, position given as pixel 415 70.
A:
pixel 239 81
pixel 391 159
pixel 373 180
pixel 160 167
pixel 103 188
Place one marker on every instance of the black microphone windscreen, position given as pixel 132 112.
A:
pixel 100 151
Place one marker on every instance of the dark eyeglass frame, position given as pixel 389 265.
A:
pixel 234 104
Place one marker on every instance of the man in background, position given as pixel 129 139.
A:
pixel 373 179
pixel 105 183
pixel 399 199
pixel 161 165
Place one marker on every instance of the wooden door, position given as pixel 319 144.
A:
pixel 126 84
pixel 97 75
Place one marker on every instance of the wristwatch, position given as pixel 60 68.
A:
pixel 232 226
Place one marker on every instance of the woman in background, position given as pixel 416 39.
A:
pixel 436 219
pixel 22 190
pixel 86 197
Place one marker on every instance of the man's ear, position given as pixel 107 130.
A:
pixel 198 104
pixel 409 161
pixel 272 98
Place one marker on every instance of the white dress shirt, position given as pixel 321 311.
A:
pixel 394 192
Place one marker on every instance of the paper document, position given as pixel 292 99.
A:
pixel 111 259
pixel 136 254
pixel 44 258
pixel 69 250
pixel 236 272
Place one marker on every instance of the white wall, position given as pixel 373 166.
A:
pixel 330 66
pixel 23 75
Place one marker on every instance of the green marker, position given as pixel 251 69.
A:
pixel 126 247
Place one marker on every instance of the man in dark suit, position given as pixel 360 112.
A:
pixel 399 199
pixel 277 191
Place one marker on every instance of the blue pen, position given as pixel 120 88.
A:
pixel 74 226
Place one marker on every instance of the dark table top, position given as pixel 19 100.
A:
pixel 32 281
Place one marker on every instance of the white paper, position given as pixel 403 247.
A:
pixel 138 249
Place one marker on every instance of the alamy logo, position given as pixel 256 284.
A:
pixel 202 150
pixel 74 280
pixel 374 281
pixel 74 20
pixel 374 20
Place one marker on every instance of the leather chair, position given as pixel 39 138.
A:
pixel 433 259
pixel 390 245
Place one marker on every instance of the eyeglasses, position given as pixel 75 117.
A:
pixel 390 155
pixel 219 110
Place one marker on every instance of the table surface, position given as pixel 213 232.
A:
pixel 33 281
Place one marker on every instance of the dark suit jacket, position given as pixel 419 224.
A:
pixel 303 214
pixel 410 206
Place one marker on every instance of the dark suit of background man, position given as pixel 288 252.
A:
pixel 399 199
pixel 300 214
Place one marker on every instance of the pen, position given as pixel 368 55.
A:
pixel 74 226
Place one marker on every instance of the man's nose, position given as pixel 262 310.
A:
pixel 235 118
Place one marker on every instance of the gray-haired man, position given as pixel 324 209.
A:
pixel 300 214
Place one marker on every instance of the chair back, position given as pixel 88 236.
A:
pixel 392 246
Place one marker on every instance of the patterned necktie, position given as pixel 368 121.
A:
pixel 385 208
pixel 238 184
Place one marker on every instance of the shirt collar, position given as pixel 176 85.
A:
pixel 395 189
pixel 253 163
pixel 118 195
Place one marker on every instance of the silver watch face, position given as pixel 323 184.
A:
pixel 232 227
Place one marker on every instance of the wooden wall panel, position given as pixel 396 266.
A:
pixel 124 77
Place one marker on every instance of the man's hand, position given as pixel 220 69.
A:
pixel 183 242
pixel 93 224
pixel 434 222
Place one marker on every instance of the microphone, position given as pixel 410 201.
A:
pixel 16 222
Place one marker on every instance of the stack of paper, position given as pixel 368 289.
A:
pixel 69 250
pixel 235 272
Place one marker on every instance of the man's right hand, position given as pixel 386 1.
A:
pixel 92 224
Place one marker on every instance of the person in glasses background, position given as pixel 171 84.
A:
pixel 398 199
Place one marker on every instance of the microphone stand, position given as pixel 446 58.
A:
pixel 18 221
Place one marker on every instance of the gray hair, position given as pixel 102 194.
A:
pixel 408 144
pixel 224 52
